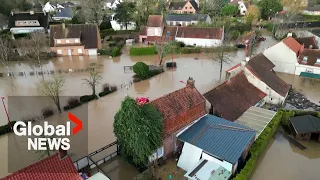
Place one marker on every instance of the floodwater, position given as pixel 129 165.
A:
pixel 101 112
pixel 282 160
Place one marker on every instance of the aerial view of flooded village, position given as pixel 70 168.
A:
pixel 160 90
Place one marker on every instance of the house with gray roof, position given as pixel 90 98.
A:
pixel 186 19
pixel 305 127
pixel 184 7
pixel 63 14
pixel 215 139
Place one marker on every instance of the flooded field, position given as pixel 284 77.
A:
pixel 101 112
pixel 284 161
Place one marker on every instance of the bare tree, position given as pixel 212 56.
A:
pixel 93 10
pixel 163 49
pixel 37 46
pixel 222 53
pixel 52 88
pixel 5 53
pixel 94 78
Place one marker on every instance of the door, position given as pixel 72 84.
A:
pixel 69 52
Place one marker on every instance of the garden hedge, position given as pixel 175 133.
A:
pixel 259 146
pixel 87 98
pixel 142 51
pixel 104 51
pixel 73 102
pixel 116 52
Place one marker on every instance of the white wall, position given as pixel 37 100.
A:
pixel 311 12
pixel 92 52
pixel 154 31
pixel 282 57
pixel 302 68
pixel 242 8
pixel 272 96
pixel 200 42
pixel 116 26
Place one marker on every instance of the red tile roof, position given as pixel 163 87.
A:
pixel 153 39
pixel 203 33
pixel 178 103
pixel 171 31
pixel 232 98
pixel 50 168
pixel 155 21
pixel 292 44
pixel 262 67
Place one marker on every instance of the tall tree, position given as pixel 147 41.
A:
pixel 125 13
pixel 229 10
pixel 163 49
pixel 138 129
pixel 52 88
pixel 252 15
pixel 269 7
pixel 145 8
pixel 6 53
pixel 37 47
pixel 162 7
pixel 94 78
pixel 222 54
pixel 93 10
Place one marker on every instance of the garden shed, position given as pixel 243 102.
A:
pixel 306 127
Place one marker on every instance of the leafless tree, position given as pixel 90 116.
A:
pixel 93 10
pixel 36 48
pixel 52 88
pixel 163 49
pixel 5 53
pixel 222 53
pixel 94 78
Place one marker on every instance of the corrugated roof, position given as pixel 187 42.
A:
pixel 176 104
pixel 50 168
pixel 232 98
pixel 261 67
pixel 186 17
pixel 218 137
pixel 305 124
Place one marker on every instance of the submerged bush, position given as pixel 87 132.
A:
pixel 73 102
pixel 87 98
pixel 141 70
pixel 47 112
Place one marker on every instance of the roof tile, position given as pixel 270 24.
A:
pixel 307 41
pixel 196 32
pixel 232 98
pixel 155 21
pixel 292 44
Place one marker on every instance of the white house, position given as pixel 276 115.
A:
pixel 259 72
pixel 284 55
pixel 49 7
pixel 121 26
pixel 111 4
pixel 203 37
pixel 313 10
pixel 242 6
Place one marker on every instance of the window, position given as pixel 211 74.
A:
pixel 58 41
pixel 76 40
pixel 186 7
pixel 80 51
pixel 67 41
pixel 190 7
pixel 305 58
pixel 59 51
pixel 160 152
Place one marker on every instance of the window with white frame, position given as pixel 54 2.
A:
pixel 160 152
pixel 76 40
pixel 67 41
pixel 80 51
pixel 59 51
pixel 305 58
pixel 58 41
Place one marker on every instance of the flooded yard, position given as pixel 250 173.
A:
pixel 282 160
pixel 101 112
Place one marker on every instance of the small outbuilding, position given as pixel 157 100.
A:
pixel 306 127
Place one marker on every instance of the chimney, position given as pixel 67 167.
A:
pixel 190 82
pixel 31 12
pixel 63 153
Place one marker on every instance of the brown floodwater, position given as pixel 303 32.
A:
pixel 282 161
pixel 101 112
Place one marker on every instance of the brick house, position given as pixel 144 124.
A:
pixel 75 39
pixel 184 7
pixel 179 109
pixel 305 127
pixel 51 168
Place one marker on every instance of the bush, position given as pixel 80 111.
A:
pixel 104 51
pixel 234 34
pixel 103 93
pixel 87 98
pixel 270 27
pixel 155 72
pixel 106 87
pixel 105 25
pixel 6 128
pixel 118 39
pixel 136 79
pixel 116 52
pixel 113 88
pixel 106 32
pixel 188 50
pixel 72 103
pixel 134 51
pixel 259 146
pixel 141 69
pixel 47 112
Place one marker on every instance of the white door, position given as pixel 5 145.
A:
pixel 69 52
